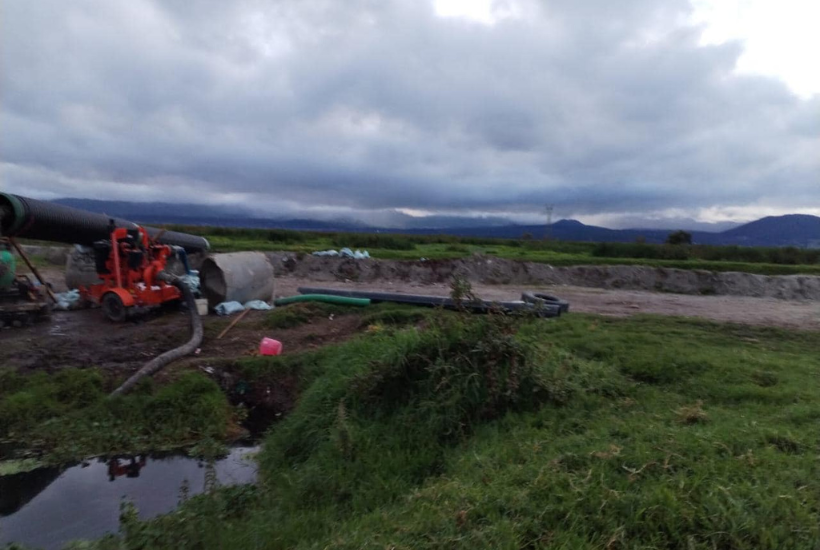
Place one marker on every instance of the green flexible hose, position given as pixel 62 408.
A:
pixel 326 298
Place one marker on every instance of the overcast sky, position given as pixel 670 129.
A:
pixel 609 110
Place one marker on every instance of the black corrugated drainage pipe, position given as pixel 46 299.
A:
pixel 48 221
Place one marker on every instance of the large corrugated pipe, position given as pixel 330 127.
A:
pixel 48 221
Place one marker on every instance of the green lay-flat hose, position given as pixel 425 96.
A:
pixel 326 298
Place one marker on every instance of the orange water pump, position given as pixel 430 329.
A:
pixel 131 267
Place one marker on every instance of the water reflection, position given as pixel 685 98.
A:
pixel 126 468
pixel 17 490
pixel 47 508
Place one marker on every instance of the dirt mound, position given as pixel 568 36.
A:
pixel 55 255
pixel 491 270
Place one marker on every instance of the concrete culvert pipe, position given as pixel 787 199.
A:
pixel 239 276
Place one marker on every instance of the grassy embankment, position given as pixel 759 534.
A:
pixel 62 417
pixel 766 261
pixel 489 432
pixel 65 417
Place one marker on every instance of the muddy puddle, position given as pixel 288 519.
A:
pixel 49 507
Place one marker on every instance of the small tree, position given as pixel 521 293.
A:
pixel 679 237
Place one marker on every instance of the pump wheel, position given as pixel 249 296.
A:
pixel 113 308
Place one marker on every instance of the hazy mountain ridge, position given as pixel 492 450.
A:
pixel 790 230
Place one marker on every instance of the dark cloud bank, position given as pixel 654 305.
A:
pixel 361 107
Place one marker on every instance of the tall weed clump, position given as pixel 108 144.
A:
pixel 460 374
pixel 387 409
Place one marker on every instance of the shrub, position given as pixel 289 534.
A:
pixel 679 237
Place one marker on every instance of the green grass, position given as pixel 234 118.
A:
pixel 485 432
pixel 297 314
pixel 447 252
pixel 394 315
pixel 788 255
pixel 66 416
pixel 384 314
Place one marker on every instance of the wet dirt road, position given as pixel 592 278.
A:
pixel 803 315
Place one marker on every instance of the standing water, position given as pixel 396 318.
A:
pixel 48 508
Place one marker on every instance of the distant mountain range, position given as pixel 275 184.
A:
pixel 791 230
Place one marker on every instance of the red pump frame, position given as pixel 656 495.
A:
pixel 135 286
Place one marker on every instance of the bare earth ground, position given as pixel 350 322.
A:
pixel 86 338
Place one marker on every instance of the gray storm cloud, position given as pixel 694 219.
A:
pixel 599 108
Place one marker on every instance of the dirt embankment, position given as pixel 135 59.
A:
pixel 498 271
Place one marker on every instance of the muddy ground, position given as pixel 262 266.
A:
pixel 85 337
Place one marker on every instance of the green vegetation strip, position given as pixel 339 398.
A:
pixel 486 432
pixel 760 260
pixel 66 416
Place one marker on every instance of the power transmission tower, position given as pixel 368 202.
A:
pixel 548 231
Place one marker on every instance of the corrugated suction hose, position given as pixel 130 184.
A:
pixel 156 364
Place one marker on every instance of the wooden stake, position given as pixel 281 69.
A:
pixel 32 268
pixel 229 327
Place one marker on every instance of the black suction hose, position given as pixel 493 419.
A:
pixel 156 364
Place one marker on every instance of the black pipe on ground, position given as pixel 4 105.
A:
pixel 46 221
pixel 542 308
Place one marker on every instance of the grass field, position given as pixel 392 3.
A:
pixel 492 432
pixel 766 261
pixel 64 417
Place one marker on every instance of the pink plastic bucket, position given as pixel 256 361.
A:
pixel 269 346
